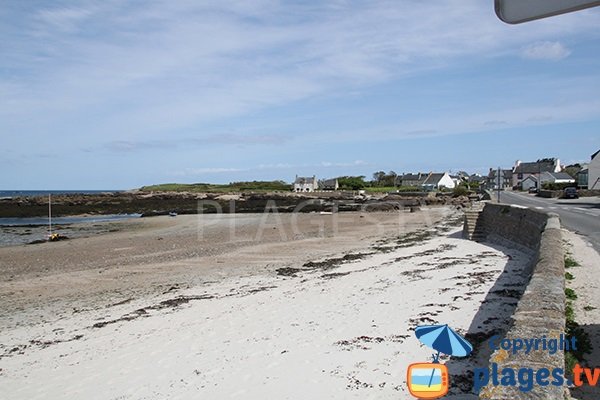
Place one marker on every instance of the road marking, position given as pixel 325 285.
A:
pixel 540 208
pixel 553 208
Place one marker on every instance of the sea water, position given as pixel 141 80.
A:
pixel 33 193
pixel 15 231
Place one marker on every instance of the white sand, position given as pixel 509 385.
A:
pixel 266 336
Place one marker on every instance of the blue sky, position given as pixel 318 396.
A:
pixel 116 94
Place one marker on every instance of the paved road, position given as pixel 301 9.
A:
pixel 578 215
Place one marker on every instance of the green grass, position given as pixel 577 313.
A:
pixel 584 345
pixel 589 308
pixel 570 294
pixel 569 312
pixel 254 186
pixel 569 276
pixel 381 189
pixel 570 262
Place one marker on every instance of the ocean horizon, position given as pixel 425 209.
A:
pixel 35 193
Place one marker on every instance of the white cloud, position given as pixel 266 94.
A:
pixel 168 66
pixel 545 51
pixel 64 18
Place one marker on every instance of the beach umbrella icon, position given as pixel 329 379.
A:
pixel 443 339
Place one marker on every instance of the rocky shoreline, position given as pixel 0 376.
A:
pixel 150 204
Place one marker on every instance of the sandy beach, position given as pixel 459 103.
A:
pixel 251 306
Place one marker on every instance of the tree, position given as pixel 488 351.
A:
pixel 352 182
pixel 546 160
pixel 378 177
pixel 573 169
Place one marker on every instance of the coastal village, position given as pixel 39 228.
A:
pixel 547 173
pixel 389 200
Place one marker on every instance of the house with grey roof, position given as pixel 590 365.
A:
pixel 504 181
pixel 522 170
pixel 530 182
pixel 411 179
pixel 329 184
pixel 306 184
pixel 438 181
pixel 556 177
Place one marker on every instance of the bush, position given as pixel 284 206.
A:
pixel 570 262
pixel 352 182
pixel 569 276
pixel 556 186
pixel 460 191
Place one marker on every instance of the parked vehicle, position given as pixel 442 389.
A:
pixel 570 193
pixel 533 190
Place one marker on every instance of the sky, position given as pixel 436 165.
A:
pixel 119 94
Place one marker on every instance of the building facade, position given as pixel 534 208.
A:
pixel 594 172
pixel 306 184
pixel 522 170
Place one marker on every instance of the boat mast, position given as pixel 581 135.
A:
pixel 50 213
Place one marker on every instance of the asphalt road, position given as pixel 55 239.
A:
pixel 578 215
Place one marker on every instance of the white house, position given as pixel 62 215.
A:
pixel 302 184
pixel 438 181
pixel 594 172
pixel 529 182
pixel 522 170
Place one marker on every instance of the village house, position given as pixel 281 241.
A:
pixel 304 184
pixel 329 184
pixel 594 172
pixel 556 177
pixel 522 170
pixel 438 181
pixel 530 182
pixel 505 181
pixel 415 180
pixel 457 180
pixel 476 178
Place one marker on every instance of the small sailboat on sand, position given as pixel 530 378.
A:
pixel 52 237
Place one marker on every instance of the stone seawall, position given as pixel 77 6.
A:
pixel 541 310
